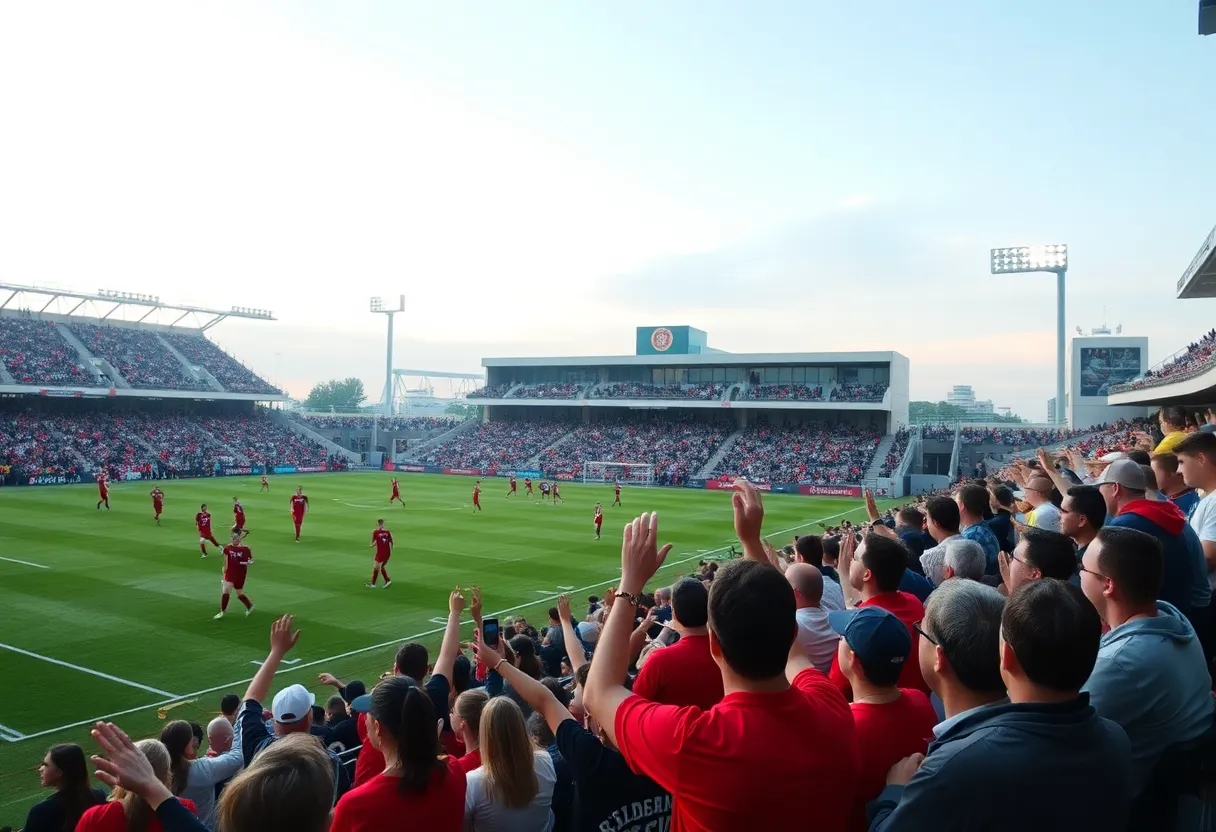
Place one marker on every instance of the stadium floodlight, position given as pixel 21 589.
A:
pixel 377 306
pixel 1053 259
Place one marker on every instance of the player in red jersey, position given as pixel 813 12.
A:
pixel 477 497
pixel 617 501
pixel 382 541
pixel 599 520
pixel 237 557
pixel 512 488
pixel 202 522
pixel 556 494
pixel 158 502
pixel 265 484
pixel 528 487
pixel 238 519
pixel 396 493
pixel 103 490
pixel 544 490
pixel 299 505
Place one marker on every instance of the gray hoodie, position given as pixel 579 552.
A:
pixel 1151 678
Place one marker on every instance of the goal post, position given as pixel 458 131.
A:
pixel 629 473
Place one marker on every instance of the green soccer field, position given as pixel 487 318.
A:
pixel 106 614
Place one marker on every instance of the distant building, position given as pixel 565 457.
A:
pixel 962 395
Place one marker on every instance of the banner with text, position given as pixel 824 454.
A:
pixel 830 490
pixel 463 472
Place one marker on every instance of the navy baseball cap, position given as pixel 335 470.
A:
pixel 361 704
pixel 875 635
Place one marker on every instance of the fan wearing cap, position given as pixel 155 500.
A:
pixel 1038 493
pixel 891 722
pixel 1184 581
pixel 291 708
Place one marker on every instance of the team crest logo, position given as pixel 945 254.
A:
pixel 662 339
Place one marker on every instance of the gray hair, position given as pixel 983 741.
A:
pixel 218 727
pixel 664 594
pixel 964 619
pixel 966 558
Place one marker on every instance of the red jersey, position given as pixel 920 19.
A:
pixel 298 504
pixel 379 804
pixel 203 521
pixel 555 494
pixel 103 485
pixel 618 491
pixel 396 487
pixel 682 674
pixel 264 482
pixel 718 764
pixel 158 496
pixel 236 561
pixel 599 518
pixel 512 483
pixel 528 482
pixel 383 539
pixel 238 514
pixel 908 609
pixel 111 817
pixel 476 491
pixel 886 734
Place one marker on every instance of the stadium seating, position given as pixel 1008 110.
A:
pixel 548 391
pixel 230 373
pixel 676 450
pixel 1017 437
pixel 859 392
pixel 34 352
pixel 896 454
pixel 495 445
pixel 432 424
pixel 1198 357
pixel 786 392
pixel 938 433
pixel 819 454
pixel 496 391
pixel 138 355
pixel 262 440
pixel 1117 437
pixel 637 390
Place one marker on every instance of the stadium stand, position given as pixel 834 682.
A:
pixel 785 392
pixel 429 424
pixel 34 352
pixel 858 392
pixel 896 454
pixel 548 391
pixel 1198 357
pixel 813 453
pixel 496 391
pixel 495 445
pixel 1017 437
pixel 232 375
pixel 676 450
pixel 137 354
pixel 637 390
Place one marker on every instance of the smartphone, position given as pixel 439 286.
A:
pixel 489 632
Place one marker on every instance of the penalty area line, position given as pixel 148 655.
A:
pixel 240 683
pixel 25 563
pixel 87 670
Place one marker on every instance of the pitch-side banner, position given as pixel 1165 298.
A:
pixel 830 490
pixel 463 472
pixel 727 483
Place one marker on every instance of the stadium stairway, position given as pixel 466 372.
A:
pixel 512 389
pixel 331 447
pixel 89 360
pixel 5 376
pixel 196 371
pixel 880 456
pixel 461 427
pixel 240 458
pixel 714 461
pixel 533 461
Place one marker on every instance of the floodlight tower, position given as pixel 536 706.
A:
pixel 1053 259
pixel 378 307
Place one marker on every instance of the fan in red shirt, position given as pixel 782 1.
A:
pixel 112 815
pixel 875 570
pixel 477 497
pixel 103 490
pixel 202 521
pixel 299 505
pixel 382 540
pixel 718 764
pixel 617 498
pixel 684 673
pixel 528 487
pixel 396 493
pixel 126 806
pixel 158 502
pixel 265 484
pixel 512 488
pixel 238 518
pixel 890 723
pixel 237 558
pixel 599 520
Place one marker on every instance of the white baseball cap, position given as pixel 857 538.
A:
pixel 292 704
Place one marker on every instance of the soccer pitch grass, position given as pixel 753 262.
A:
pixel 106 614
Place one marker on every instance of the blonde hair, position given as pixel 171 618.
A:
pixel 134 807
pixel 289 787
pixel 469 707
pixel 507 754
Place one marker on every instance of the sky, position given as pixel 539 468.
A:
pixel 542 178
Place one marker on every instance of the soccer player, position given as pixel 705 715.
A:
pixel 528 487
pixel 599 520
pixel 544 490
pixel 512 488
pixel 202 521
pixel 617 501
pixel 477 497
pixel 237 558
pixel 396 493
pixel 158 502
pixel 382 541
pixel 238 519
pixel 299 505
pixel 103 489
pixel 556 494
pixel 265 484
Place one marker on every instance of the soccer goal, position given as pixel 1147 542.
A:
pixel 631 473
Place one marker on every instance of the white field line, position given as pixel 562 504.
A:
pixel 9 734
pixel 26 563
pixel 87 670
pixel 241 683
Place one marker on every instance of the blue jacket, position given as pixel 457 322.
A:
pixel 1016 768
pixel 1184 582
pixel 1151 678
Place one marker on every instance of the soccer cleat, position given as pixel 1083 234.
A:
pixel 249 612
pixel 387 584
pixel 218 615
pixel 370 585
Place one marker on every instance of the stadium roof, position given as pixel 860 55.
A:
pixel 122 302
pixel 716 359
pixel 1199 279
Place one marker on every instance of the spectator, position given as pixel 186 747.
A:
pixel 126 809
pixel 875 571
pixel 229 706
pixel 133 778
pixel 513 789
pixel 684 673
pixel 910 526
pixel 64 770
pixel 809 549
pixel 1039 554
pixel 196 779
pixel 1044 514
pixel 717 763
pixel 964 559
pixel 466 722
pixel 419 788
pixel 1048 734
pixel 220 737
pixel 1176 425
pixel 890 723
pixel 815 635
pixel 1197 462
pixel 1082 515
pixel 1172 485
pixel 1001 522
pixel 1151 676
pixel 942 523
pixel 287 788
pixel 972 504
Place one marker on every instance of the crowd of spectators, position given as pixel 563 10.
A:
pixel 263 441
pixel 1197 358
pixel 34 352
pixel 1123 435
pixel 785 392
pixel 820 454
pixel 894 456
pixel 938 432
pixel 858 392
pixel 638 390
pixel 676 450
pixel 138 355
pixel 395 424
pixel 490 391
pixel 234 376
pixel 566 390
pixel 494 445
pixel 1017 437
pixel 30 445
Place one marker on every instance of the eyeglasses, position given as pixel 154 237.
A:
pixel 1081 568
pixel 931 639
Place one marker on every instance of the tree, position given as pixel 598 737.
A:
pixel 338 394
pixel 921 411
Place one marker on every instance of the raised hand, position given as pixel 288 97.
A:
pixel 871 505
pixel 641 556
pixel 456 601
pixel 749 517
pixel 282 639
pixel 475 603
pixel 123 765
pixel 563 607
pixel 329 679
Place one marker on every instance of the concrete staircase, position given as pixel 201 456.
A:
pixel 5 376
pixel 197 371
pixel 89 360
pixel 415 452
pixel 239 457
pixel 714 461
pixel 880 456
pixel 533 461
pixel 332 448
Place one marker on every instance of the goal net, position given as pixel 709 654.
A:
pixel 632 473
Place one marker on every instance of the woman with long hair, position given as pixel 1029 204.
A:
pixel 513 789
pixel 126 811
pixel 64 770
pixel 420 787
pixel 194 777
pixel 466 722
pixel 287 788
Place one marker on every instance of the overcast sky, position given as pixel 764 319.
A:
pixel 540 178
